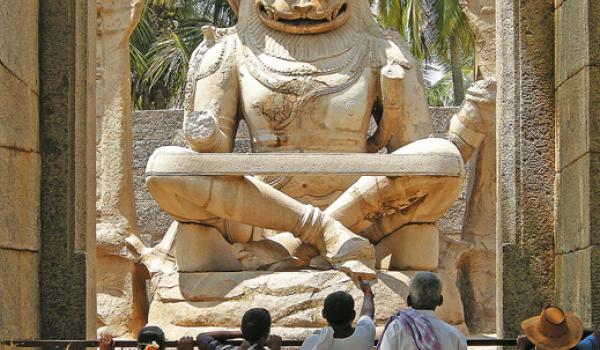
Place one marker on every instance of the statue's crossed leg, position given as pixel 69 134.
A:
pixel 210 200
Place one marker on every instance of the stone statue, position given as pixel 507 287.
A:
pixel 307 76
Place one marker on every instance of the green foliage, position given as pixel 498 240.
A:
pixel 162 44
pixel 436 31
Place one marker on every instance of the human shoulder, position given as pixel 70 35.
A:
pixel 311 340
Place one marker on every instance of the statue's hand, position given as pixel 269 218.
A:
pixel 480 104
pixel 476 118
pixel 201 130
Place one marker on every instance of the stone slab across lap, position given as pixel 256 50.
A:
pixel 170 161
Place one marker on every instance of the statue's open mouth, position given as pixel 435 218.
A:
pixel 304 23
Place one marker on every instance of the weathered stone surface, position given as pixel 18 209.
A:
pixel 19 202
pixel 578 112
pixel 578 209
pixel 577 37
pixel 574 275
pixel 19 295
pixel 18 113
pixel 18 50
pixel 526 156
pixel 295 299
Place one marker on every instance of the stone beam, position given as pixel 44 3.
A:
pixel 169 161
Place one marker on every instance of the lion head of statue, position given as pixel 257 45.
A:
pixel 301 16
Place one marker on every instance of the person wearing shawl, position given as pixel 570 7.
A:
pixel 417 328
pixel 256 332
pixel 339 312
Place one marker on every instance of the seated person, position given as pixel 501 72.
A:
pixel 554 329
pixel 418 328
pixel 256 330
pixel 339 313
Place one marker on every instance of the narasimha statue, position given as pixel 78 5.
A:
pixel 308 76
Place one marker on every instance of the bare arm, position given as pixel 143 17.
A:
pixel 221 335
pixel 368 306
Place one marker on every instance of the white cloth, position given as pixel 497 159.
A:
pixel 361 339
pixel 397 338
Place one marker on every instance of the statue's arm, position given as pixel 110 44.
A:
pixel 405 112
pixel 210 119
pixel 475 119
pixel 405 117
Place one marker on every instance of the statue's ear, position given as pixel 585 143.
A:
pixel 235 5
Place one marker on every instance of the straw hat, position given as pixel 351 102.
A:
pixel 553 329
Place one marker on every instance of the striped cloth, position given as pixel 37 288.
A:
pixel 418 326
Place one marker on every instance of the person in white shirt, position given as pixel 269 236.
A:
pixel 418 328
pixel 339 313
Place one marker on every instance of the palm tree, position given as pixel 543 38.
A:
pixel 436 31
pixel 162 45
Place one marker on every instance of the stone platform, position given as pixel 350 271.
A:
pixel 189 303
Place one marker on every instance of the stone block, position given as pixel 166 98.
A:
pixel 19 40
pixel 575 281
pixel 295 299
pixel 19 115
pixel 577 37
pixel 19 300
pixel 19 202
pixel 578 205
pixel 578 113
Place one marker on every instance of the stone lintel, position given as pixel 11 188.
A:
pixel 174 161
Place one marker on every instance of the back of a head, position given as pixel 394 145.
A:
pixel 425 290
pixel 256 324
pixel 151 334
pixel 339 309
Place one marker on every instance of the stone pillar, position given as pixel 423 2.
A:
pixel 578 158
pixel 525 131
pixel 120 310
pixel 478 271
pixel 66 137
pixel 19 170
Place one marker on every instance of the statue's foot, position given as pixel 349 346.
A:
pixel 266 255
pixel 357 270
pixel 349 252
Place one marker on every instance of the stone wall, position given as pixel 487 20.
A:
pixel 19 169
pixel 577 201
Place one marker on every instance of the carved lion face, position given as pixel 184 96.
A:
pixel 303 16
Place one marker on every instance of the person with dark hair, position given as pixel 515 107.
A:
pixel 255 330
pixel 417 328
pixel 339 312
pixel 149 338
